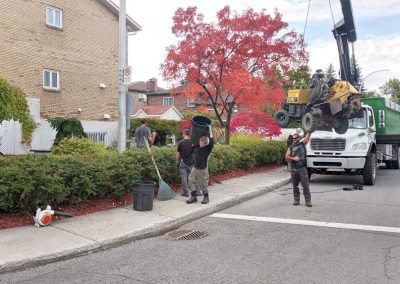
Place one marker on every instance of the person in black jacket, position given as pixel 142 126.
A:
pixel 185 161
pixel 199 172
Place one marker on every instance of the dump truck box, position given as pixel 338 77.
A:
pixel 387 118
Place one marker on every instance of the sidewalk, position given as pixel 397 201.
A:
pixel 31 246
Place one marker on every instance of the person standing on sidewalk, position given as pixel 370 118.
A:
pixel 199 172
pixel 185 161
pixel 296 155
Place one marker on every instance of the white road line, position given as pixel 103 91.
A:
pixel 309 223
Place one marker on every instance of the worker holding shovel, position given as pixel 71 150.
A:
pixel 199 173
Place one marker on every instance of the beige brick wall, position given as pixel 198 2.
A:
pixel 85 52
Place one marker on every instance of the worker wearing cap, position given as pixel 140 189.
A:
pixel 296 155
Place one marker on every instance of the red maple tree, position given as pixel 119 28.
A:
pixel 234 62
pixel 259 123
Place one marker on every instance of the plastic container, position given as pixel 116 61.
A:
pixel 199 128
pixel 143 194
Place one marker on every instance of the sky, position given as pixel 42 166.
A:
pixel 377 48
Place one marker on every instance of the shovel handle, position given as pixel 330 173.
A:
pixel 152 158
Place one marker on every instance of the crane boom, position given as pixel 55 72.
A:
pixel 344 32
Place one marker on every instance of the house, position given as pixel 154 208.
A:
pixel 160 112
pixel 150 95
pixel 137 93
pixel 65 53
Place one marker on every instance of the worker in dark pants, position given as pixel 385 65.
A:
pixel 185 161
pixel 199 174
pixel 296 156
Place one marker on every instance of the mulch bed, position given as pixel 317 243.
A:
pixel 12 220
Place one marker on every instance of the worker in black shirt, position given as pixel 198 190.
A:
pixel 200 169
pixel 185 161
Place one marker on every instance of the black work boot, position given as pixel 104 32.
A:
pixel 296 202
pixel 308 204
pixel 205 199
pixel 192 198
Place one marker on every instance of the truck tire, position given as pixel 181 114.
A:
pixel 389 164
pixel 395 164
pixel 282 118
pixel 343 126
pixel 309 122
pixel 369 172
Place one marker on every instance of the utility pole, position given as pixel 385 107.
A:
pixel 121 92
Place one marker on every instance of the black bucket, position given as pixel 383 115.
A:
pixel 199 128
pixel 143 194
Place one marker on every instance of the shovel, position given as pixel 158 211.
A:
pixel 165 192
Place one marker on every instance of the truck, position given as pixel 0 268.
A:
pixel 372 139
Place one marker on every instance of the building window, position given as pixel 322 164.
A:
pixel 51 79
pixel 168 101
pixel 142 97
pixel 97 137
pixel 190 103
pixel 54 17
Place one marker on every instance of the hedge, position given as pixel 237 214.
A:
pixel 27 182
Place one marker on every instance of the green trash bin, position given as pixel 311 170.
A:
pixel 143 195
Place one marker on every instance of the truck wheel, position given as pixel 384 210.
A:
pixel 369 172
pixel 282 118
pixel 343 126
pixel 309 122
pixel 389 164
pixel 395 164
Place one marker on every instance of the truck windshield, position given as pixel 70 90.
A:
pixel 359 122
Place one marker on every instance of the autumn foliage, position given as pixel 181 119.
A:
pixel 236 62
pixel 259 123
pixel 185 124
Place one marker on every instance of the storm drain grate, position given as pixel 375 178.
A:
pixel 186 235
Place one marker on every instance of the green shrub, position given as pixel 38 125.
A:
pixel 74 145
pixel 30 181
pixel 66 127
pixel 161 126
pixel 13 105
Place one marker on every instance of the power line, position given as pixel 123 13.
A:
pixel 305 24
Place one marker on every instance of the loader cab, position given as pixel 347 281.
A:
pixel 294 107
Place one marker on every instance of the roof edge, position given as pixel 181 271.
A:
pixel 133 26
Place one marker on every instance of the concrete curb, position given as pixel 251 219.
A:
pixel 151 231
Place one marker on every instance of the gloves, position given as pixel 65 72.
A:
pixel 300 132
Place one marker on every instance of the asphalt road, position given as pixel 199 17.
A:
pixel 355 239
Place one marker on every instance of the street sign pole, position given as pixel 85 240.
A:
pixel 129 100
pixel 121 92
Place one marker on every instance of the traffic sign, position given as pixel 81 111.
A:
pixel 127 74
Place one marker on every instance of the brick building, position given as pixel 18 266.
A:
pixel 65 53
pixel 149 94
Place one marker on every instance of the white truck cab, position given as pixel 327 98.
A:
pixel 351 153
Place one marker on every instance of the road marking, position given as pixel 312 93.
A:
pixel 309 223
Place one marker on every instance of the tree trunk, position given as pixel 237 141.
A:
pixel 227 134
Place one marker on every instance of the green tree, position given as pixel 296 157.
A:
pixel 356 73
pixel 330 72
pixel 370 94
pixel 392 88
pixel 298 78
